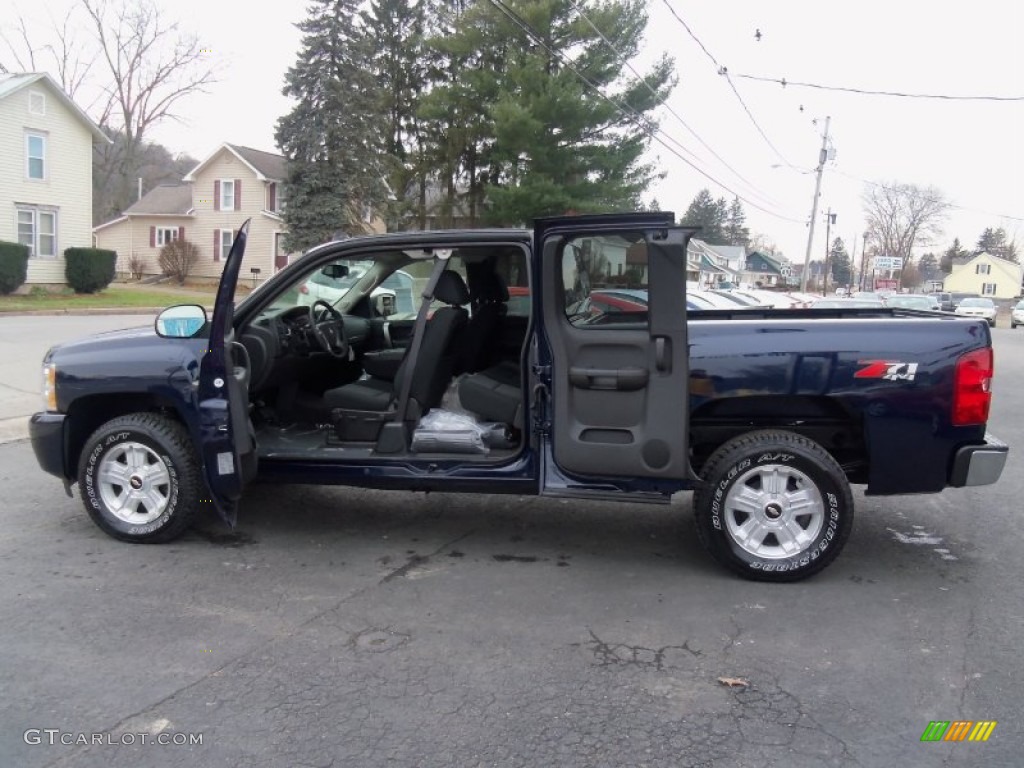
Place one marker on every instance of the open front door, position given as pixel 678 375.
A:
pixel 227 440
pixel 614 306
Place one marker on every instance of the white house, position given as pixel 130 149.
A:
pixel 46 145
pixel 986 275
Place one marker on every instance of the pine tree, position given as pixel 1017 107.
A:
pixel 710 215
pixel 994 241
pixel 840 266
pixel 928 266
pixel 736 230
pixel 955 251
pixel 332 139
pixel 545 141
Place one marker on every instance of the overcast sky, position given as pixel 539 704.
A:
pixel 972 151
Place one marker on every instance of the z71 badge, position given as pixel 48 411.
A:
pixel 887 370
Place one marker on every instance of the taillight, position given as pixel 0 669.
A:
pixel 972 388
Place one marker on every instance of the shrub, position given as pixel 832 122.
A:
pixel 13 266
pixel 89 269
pixel 136 266
pixel 177 259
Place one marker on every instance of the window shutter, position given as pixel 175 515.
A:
pixel 181 233
pixel 216 245
pixel 238 194
pixel 152 237
pixel 216 195
pixel 273 197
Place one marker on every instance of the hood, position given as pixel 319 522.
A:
pixel 123 343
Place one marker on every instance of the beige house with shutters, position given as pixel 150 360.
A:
pixel 46 146
pixel 207 208
pixel 987 275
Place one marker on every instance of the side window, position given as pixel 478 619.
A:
pixel 605 280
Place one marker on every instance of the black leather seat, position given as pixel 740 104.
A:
pixel 489 303
pixel 434 365
pixel 495 394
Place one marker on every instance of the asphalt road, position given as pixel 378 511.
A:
pixel 360 628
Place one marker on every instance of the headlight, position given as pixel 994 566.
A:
pixel 50 387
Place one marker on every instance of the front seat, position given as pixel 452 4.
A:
pixel 434 364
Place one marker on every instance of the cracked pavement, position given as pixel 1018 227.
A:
pixel 343 627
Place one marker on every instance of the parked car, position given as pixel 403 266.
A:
pixel 911 301
pixel 978 306
pixel 1017 314
pixel 769 419
pixel 840 303
pixel 948 302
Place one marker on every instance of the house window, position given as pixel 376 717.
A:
pixel 37 228
pixel 35 156
pixel 165 235
pixel 227 195
pixel 272 196
pixel 37 103
pixel 982 269
pixel 222 240
pixel 988 289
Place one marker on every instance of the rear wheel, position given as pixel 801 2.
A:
pixel 775 506
pixel 140 479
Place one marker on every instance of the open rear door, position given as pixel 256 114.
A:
pixel 614 306
pixel 227 440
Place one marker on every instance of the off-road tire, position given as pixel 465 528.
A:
pixel 166 454
pixel 733 494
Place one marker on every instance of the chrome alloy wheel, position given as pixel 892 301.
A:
pixel 134 483
pixel 773 511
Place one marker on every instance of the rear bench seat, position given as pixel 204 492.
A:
pixel 495 394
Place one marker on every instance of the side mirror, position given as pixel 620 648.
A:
pixel 384 304
pixel 335 271
pixel 181 322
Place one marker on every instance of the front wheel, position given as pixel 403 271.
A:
pixel 140 479
pixel 775 506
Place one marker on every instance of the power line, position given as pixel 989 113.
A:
pixel 868 92
pixel 623 61
pixel 946 202
pixel 725 72
pixel 640 120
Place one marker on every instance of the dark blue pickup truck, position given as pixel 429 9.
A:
pixel 496 372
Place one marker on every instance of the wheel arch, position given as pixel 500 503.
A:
pixel 825 420
pixel 86 414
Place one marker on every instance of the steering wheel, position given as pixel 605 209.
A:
pixel 329 333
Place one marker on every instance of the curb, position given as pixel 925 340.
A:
pixel 14 429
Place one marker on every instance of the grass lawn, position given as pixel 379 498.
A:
pixel 116 295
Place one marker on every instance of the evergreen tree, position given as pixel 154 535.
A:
pixel 542 140
pixel 396 31
pixel 994 241
pixel 736 230
pixel 710 215
pixel 840 266
pixel 928 266
pixel 955 251
pixel 332 139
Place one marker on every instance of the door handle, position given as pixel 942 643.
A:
pixel 662 354
pixel 622 379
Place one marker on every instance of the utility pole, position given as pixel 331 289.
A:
pixel 822 156
pixel 830 219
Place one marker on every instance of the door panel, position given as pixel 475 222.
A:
pixel 228 445
pixel 617 336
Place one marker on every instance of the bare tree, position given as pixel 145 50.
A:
pixel 902 216
pixel 65 57
pixel 151 65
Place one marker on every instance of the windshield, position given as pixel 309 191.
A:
pixel 977 303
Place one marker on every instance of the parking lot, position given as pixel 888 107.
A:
pixel 360 628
